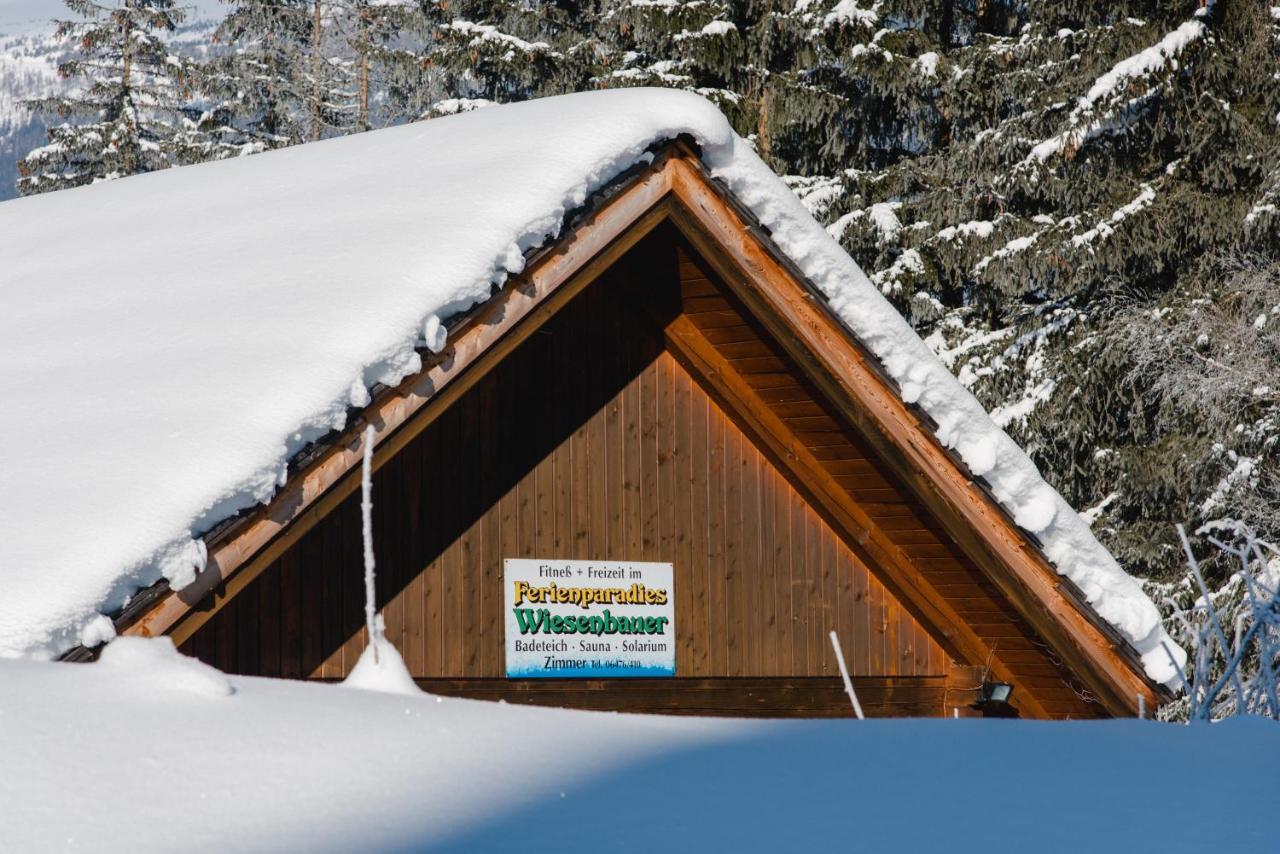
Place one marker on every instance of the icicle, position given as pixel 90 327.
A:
pixel 844 674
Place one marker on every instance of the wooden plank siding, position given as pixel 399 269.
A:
pixel 589 441
pixel 896 647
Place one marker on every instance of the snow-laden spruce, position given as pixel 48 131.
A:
pixel 161 379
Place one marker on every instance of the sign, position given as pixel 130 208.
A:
pixel 582 618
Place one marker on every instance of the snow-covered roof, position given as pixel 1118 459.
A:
pixel 169 341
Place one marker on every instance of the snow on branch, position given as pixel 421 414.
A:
pixel 1232 633
pixel 1105 228
pixel 1144 62
pixel 1148 61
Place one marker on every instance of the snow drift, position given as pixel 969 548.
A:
pixel 92 763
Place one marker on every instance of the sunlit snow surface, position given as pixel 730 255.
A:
pixel 137 755
pixel 168 341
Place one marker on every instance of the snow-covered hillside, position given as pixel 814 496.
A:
pixel 148 751
pixel 28 69
pixel 29 57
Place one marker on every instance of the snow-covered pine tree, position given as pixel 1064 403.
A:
pixel 1193 378
pixel 121 113
pixel 1013 175
pixel 862 90
pixel 696 45
pixel 389 79
pixel 507 50
pixel 274 77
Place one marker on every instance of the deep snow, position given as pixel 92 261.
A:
pixel 172 339
pixel 148 751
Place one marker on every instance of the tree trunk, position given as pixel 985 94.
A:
pixel 317 60
pixel 362 120
pixel 764 131
pixel 764 134
pixel 126 70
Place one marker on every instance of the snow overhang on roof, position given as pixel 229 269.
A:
pixel 176 338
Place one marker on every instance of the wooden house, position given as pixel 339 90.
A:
pixel 662 385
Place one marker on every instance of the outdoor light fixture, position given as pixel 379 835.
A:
pixel 995 692
pixel 993 700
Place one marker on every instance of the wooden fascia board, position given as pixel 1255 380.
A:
pixel 831 359
pixel 400 414
pixel 885 558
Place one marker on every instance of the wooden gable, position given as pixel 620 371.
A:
pixel 660 387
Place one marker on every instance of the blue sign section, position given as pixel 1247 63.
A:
pixel 593 673
pixel 570 619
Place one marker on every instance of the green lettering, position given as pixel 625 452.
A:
pixel 527 622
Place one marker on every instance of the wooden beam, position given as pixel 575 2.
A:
pixel 894 568
pixel 400 414
pixel 849 377
pixel 773 697
pixel 964 687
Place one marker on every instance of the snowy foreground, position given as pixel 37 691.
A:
pixel 148 751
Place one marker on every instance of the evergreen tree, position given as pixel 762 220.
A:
pixel 124 106
pixel 508 50
pixel 694 45
pixel 382 67
pixel 273 81
pixel 1193 379
pixel 1073 160
pixel 390 59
